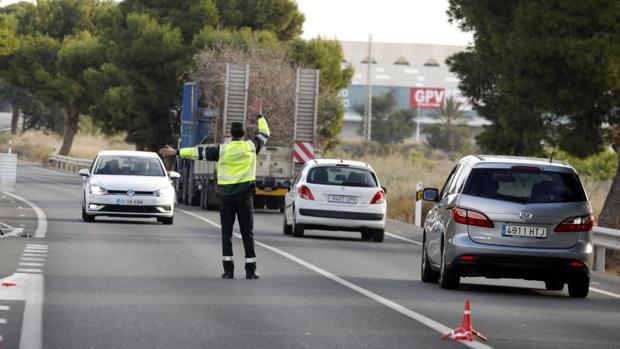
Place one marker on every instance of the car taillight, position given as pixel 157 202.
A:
pixel 379 198
pixel 470 217
pixel 584 223
pixel 305 193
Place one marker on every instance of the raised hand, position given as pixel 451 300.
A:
pixel 257 106
pixel 167 151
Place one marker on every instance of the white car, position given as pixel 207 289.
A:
pixel 128 184
pixel 336 195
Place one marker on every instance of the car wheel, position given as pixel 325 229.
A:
pixel 86 217
pixel 166 220
pixel 554 285
pixel 286 228
pixel 578 287
pixel 377 235
pixel 298 229
pixel 366 234
pixel 448 279
pixel 428 274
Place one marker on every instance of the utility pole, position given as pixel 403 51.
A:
pixel 367 129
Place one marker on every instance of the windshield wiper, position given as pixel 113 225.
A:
pixel 511 198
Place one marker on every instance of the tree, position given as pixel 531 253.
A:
pixel 449 132
pixel 139 81
pixel 281 17
pixel 389 124
pixel 55 48
pixel 557 61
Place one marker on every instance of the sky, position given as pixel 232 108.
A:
pixel 405 21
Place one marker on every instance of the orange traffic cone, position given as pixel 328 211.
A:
pixel 465 332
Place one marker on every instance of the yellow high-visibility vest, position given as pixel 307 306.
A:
pixel 237 163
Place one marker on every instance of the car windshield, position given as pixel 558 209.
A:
pixel 531 187
pixel 128 166
pixel 342 175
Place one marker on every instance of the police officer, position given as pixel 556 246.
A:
pixel 236 179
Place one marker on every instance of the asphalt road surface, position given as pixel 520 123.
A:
pixel 127 283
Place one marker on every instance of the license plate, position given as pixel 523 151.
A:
pixel 130 202
pixel 342 199
pixel 519 230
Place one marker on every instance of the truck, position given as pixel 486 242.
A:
pixel 275 165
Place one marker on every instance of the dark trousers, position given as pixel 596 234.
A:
pixel 240 206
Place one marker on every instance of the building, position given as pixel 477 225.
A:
pixel 402 68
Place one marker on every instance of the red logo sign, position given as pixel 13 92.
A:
pixel 426 97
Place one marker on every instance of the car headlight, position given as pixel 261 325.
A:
pixel 164 192
pixel 97 190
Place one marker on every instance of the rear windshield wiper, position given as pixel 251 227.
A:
pixel 510 198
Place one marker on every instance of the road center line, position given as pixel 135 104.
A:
pixel 388 303
pixel 41 219
pixel 403 238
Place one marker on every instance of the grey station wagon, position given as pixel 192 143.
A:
pixel 509 217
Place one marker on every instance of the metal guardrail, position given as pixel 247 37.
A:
pixel 604 238
pixel 66 163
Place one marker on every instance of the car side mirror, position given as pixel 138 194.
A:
pixel 384 190
pixel 430 194
pixel 286 184
pixel 84 172
pixel 174 175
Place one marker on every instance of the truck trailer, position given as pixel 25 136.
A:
pixel 274 164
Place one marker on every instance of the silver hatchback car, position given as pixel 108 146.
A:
pixel 509 217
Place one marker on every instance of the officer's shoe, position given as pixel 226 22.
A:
pixel 228 275
pixel 251 276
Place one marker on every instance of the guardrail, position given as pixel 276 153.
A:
pixel 66 163
pixel 604 238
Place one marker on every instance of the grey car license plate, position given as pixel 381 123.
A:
pixel 519 230
pixel 342 199
pixel 130 202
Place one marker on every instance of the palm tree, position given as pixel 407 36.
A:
pixel 450 113
pixel 450 132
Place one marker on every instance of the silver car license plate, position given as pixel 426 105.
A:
pixel 130 202
pixel 342 199
pixel 519 230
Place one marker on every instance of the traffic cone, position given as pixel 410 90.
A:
pixel 465 332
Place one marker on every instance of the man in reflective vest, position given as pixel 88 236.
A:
pixel 236 180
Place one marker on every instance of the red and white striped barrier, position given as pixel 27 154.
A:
pixel 303 152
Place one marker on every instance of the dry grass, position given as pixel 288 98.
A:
pixel 36 146
pixel 400 169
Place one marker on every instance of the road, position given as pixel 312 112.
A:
pixel 133 284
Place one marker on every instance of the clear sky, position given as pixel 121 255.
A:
pixel 409 21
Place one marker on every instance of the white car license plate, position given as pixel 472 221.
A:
pixel 342 199
pixel 130 202
pixel 518 230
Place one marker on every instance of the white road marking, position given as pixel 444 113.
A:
pixel 33 259
pixel 403 238
pixel 607 293
pixel 2 321
pixel 388 303
pixel 41 219
pixel 35 251
pixel 29 270
pixel 29 264
pixel 5 307
pixel 29 288
pixel 39 248
pixel 13 232
pixel 32 254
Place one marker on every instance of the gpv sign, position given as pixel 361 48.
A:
pixel 426 97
